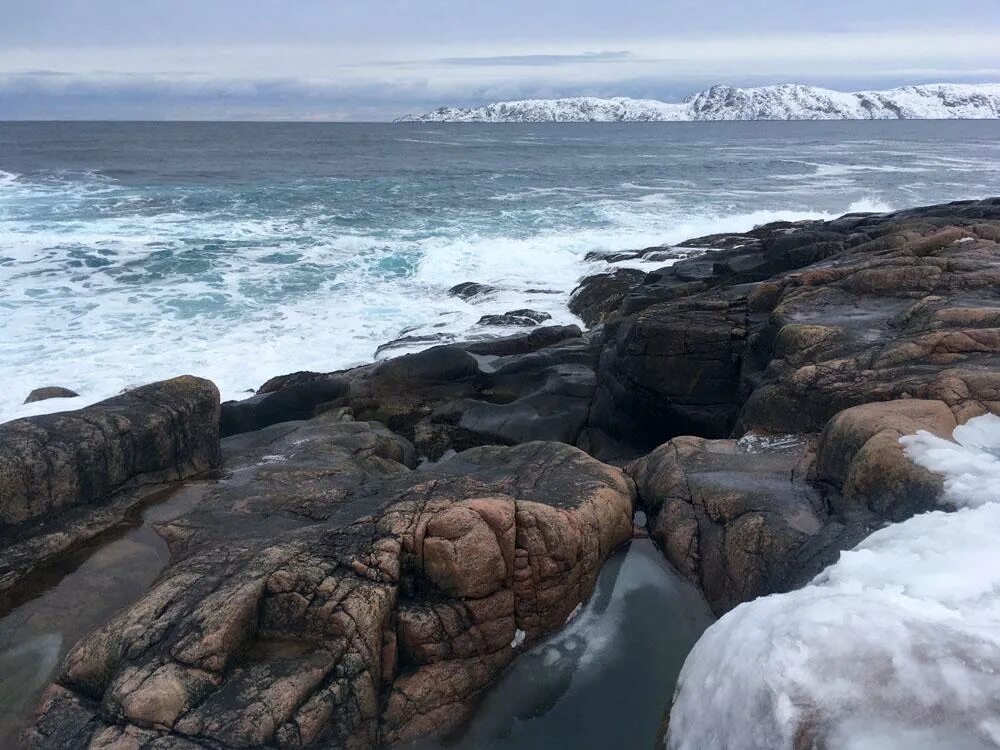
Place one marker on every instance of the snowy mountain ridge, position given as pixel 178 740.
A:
pixel 941 101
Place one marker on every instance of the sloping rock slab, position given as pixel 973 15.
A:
pixel 167 430
pixel 323 594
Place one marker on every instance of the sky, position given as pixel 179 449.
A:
pixel 364 60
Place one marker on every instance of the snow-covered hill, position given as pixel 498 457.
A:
pixel 942 101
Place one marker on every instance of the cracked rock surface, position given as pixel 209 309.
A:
pixel 324 593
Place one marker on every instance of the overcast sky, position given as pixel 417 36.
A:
pixel 377 59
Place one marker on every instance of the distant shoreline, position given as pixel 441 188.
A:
pixel 785 102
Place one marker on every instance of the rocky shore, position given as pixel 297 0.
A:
pixel 366 551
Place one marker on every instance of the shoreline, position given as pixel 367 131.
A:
pixel 398 531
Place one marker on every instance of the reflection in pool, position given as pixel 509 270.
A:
pixel 607 679
pixel 79 595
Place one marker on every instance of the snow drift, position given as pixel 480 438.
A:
pixel 895 646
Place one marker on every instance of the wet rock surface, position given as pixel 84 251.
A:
pixel 730 517
pixel 519 318
pixel 470 290
pixel 166 430
pixel 325 593
pixel 293 397
pixel 600 295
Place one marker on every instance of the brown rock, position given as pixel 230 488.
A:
pixel 859 452
pixel 324 594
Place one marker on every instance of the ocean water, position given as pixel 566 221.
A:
pixel 132 252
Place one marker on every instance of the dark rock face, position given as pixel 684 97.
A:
pixel 326 595
pixel 292 398
pixel 167 430
pixel 793 323
pixel 522 318
pixel 52 391
pixel 600 295
pixel 673 369
pixel 470 290
pixel 534 386
pixel 413 341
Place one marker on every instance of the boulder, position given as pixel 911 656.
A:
pixel 519 318
pixel 470 290
pixel 291 398
pixel 859 452
pixel 600 295
pixel 736 518
pixel 52 391
pixel 164 431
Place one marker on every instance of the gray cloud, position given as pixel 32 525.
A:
pixel 351 59
pixel 545 60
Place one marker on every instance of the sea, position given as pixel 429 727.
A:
pixel 133 252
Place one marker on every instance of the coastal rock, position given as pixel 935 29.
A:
pixel 673 369
pixel 600 295
pixel 521 318
pixel 52 391
pixel 765 514
pixel 859 452
pixel 792 323
pixel 164 431
pixel 292 398
pixel 413 341
pixel 470 290
pixel 733 517
pixel 323 594
pixel 532 386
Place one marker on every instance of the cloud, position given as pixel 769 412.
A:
pixel 540 59
pixel 281 81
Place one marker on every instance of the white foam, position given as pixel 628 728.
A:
pixel 895 646
pixel 8 179
pixel 283 292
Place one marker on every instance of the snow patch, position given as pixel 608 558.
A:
pixel 970 464
pixel 787 101
pixel 897 645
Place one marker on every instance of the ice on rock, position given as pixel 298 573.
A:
pixel 970 465
pixel 895 646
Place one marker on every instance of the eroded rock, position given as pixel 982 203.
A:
pixel 325 594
